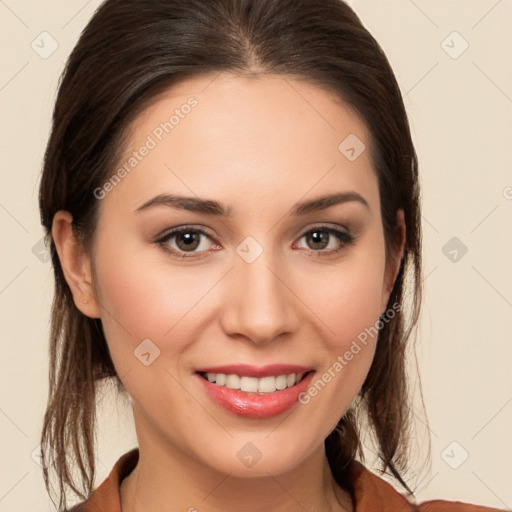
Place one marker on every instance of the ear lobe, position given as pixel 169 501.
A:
pixel 395 259
pixel 75 264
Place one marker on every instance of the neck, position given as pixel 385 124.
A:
pixel 168 479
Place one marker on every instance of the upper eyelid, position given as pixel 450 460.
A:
pixel 180 229
pixel 208 232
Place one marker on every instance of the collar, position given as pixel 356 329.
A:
pixel 370 493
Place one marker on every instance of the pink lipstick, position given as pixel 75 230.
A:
pixel 255 392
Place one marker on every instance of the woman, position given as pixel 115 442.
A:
pixel 231 198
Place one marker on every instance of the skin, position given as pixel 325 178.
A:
pixel 258 145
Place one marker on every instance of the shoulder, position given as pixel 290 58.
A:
pixel 372 493
pixel 106 498
pixel 452 506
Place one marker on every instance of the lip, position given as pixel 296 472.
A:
pixel 255 371
pixel 253 405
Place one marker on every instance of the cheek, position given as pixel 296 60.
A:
pixel 348 298
pixel 349 312
pixel 141 297
pixel 142 300
pixel 348 302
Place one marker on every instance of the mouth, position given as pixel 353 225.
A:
pixel 255 393
pixel 260 386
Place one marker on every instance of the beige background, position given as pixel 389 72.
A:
pixel 461 116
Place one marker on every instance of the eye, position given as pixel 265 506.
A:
pixel 326 240
pixel 190 242
pixel 186 239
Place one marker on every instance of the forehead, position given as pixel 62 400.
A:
pixel 219 135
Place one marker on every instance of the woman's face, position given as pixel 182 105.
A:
pixel 261 273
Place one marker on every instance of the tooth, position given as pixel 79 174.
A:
pixel 249 384
pixel 267 385
pixel 253 384
pixel 281 382
pixel 233 381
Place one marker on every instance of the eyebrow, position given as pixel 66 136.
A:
pixel 211 207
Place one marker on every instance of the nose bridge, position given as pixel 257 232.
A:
pixel 259 305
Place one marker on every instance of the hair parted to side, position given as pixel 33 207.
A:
pixel 128 53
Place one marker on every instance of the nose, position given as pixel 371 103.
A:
pixel 259 304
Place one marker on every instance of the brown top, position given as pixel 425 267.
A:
pixel 370 493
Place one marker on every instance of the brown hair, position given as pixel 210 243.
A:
pixel 129 52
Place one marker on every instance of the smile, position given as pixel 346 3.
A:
pixel 253 392
pixel 247 384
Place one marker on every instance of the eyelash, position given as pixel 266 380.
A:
pixel 344 237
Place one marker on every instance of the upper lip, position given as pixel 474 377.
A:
pixel 255 371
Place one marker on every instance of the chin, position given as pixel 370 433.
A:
pixel 257 457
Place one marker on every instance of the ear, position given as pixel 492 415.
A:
pixel 75 264
pixel 394 259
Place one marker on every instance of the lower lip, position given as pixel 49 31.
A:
pixel 252 405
